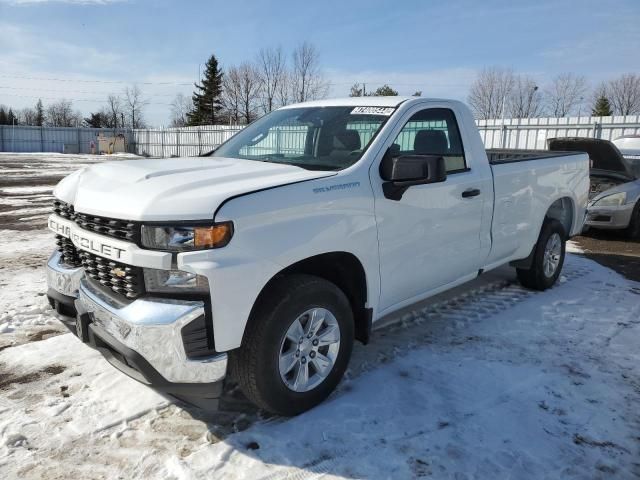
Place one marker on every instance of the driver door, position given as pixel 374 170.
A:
pixel 430 237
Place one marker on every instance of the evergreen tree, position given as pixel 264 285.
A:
pixel 39 114
pixel 384 91
pixel 97 120
pixel 602 107
pixel 3 115
pixel 11 118
pixel 207 101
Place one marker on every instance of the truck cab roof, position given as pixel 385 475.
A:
pixel 361 102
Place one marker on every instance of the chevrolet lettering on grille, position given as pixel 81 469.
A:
pixel 83 241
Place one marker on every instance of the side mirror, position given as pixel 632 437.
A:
pixel 405 171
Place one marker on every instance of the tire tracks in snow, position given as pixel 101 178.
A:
pixel 406 332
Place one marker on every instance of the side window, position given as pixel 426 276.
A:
pixel 433 131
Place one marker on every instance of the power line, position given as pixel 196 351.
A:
pixel 90 100
pixel 76 91
pixel 23 77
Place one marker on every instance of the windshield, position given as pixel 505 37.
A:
pixel 315 138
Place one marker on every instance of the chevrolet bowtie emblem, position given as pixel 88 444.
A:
pixel 118 272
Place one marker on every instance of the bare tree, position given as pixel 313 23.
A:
pixel 624 94
pixel 272 69
pixel 28 116
pixel 114 111
pixel 180 106
pixel 285 92
pixel 249 91
pixel 490 92
pixel 231 94
pixel 61 114
pixel 565 94
pixel 525 99
pixel 306 78
pixel 134 105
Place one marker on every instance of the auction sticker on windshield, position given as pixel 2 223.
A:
pixel 387 111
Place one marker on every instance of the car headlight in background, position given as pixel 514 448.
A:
pixel 613 200
pixel 174 281
pixel 187 238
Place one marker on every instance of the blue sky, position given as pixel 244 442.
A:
pixel 433 46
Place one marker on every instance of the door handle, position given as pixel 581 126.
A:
pixel 472 192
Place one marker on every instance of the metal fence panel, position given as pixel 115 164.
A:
pixel 524 133
pixel 181 142
pixel 27 139
pixel 532 133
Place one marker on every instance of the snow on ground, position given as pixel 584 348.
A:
pixel 492 382
pixel 27 180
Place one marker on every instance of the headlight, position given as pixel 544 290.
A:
pixel 174 281
pixel 613 200
pixel 184 239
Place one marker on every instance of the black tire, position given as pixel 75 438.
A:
pixel 255 364
pixel 633 230
pixel 535 277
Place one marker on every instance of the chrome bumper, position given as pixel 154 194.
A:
pixel 152 328
pixel 61 278
pixel 149 327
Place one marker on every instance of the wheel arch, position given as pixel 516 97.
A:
pixel 343 269
pixel 563 210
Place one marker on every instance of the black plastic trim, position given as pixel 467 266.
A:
pixel 520 155
pixel 62 304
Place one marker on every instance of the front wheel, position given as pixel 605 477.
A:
pixel 548 258
pixel 297 345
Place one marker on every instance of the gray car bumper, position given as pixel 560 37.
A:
pixel 613 218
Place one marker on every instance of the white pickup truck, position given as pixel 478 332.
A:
pixel 267 257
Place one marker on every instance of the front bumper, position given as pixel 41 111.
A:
pixel 614 218
pixel 142 338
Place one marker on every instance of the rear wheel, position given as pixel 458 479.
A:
pixel 548 258
pixel 297 345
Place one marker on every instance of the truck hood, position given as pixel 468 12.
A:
pixel 172 189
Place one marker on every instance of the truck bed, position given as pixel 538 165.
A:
pixel 498 156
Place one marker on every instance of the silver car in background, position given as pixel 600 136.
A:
pixel 614 196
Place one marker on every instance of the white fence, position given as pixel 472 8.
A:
pixel 55 139
pixel 532 133
pixel 516 133
pixel 181 142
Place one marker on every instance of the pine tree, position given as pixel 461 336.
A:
pixel 39 114
pixel 3 115
pixel 384 91
pixel 602 107
pixel 206 98
pixel 11 118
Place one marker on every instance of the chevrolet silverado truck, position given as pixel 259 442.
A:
pixel 265 259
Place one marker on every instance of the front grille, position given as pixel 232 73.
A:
pixel 63 209
pixel 123 279
pixel 111 227
pixel 121 229
pixel 68 250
